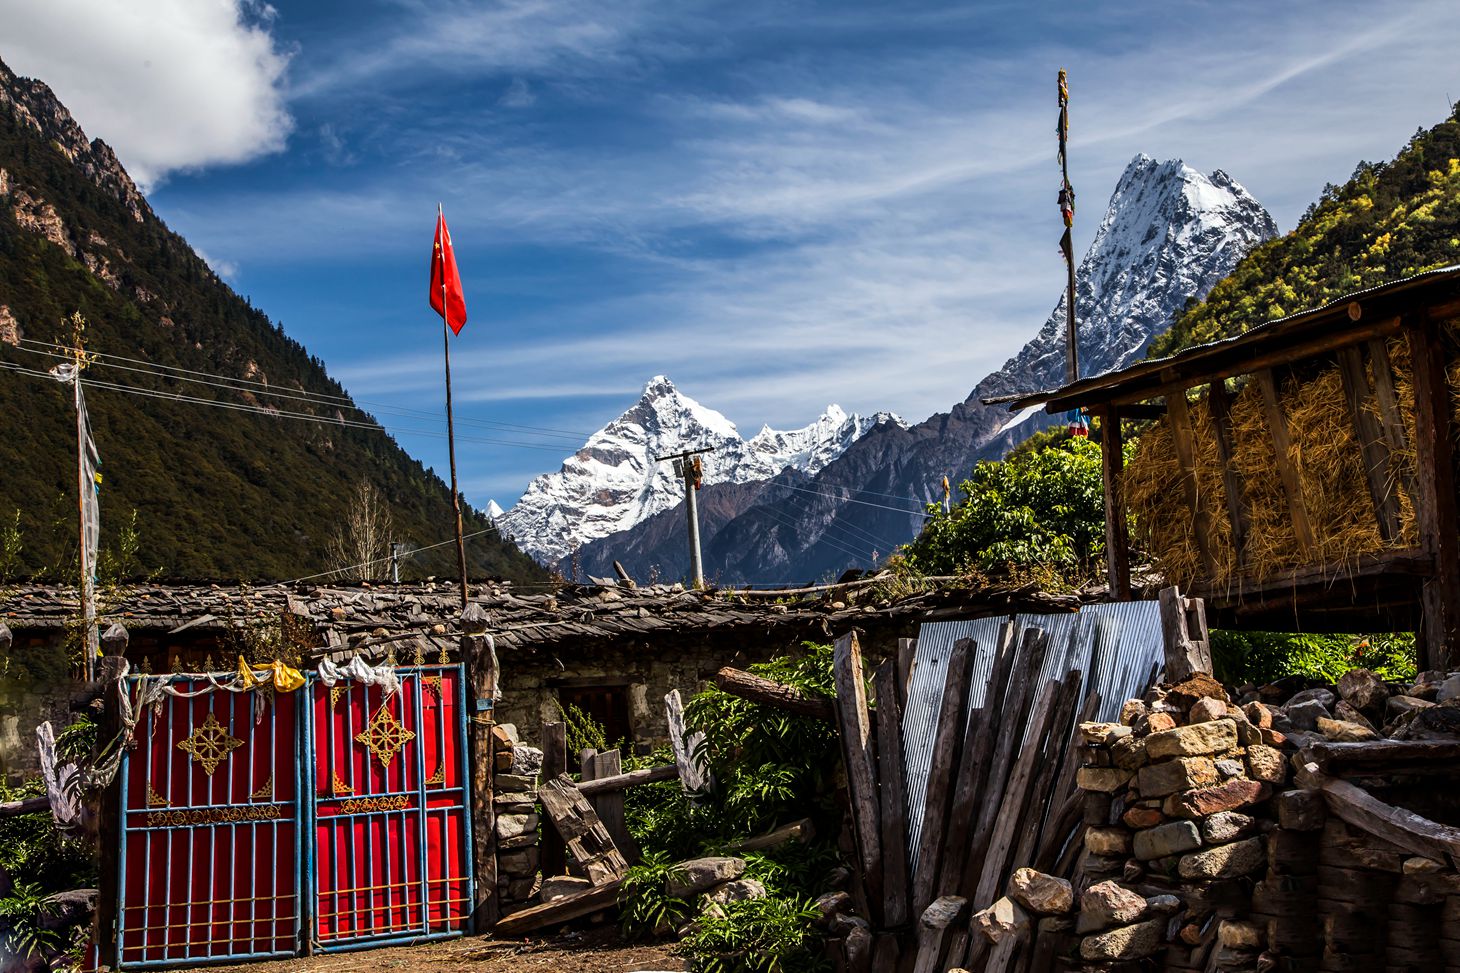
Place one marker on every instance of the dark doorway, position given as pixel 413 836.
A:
pixel 607 705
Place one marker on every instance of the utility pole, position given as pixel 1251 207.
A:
pixel 396 550
pixel 687 465
pixel 1067 211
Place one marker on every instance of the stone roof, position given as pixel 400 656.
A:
pixel 373 618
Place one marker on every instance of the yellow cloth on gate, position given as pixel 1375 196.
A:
pixel 286 679
pixel 245 675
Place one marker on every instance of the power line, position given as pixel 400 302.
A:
pixel 865 503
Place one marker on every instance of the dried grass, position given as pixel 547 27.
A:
pixel 1329 461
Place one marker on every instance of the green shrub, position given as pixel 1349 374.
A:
pixel 770 935
pixel 21 915
pixel 647 909
pixel 1262 657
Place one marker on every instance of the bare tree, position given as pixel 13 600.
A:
pixel 359 549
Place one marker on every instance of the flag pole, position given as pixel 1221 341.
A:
pixel 450 428
pixel 1067 210
pixel 88 593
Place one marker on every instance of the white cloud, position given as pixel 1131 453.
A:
pixel 227 269
pixel 169 84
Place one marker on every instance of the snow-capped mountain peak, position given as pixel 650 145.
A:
pixel 614 482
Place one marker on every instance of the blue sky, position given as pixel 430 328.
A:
pixel 778 204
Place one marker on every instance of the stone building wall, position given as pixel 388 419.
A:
pixel 36 685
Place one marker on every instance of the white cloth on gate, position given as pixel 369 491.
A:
pixel 357 670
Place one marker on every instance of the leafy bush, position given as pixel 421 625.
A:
pixel 647 908
pixel 582 730
pixel 1261 657
pixel 21 915
pixel 770 935
pixel 1041 508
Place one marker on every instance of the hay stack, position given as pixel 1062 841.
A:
pixel 1329 461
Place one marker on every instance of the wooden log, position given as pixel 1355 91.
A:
pixel 1372 447
pixel 558 911
pixel 1398 826
pixel 1185 655
pixel 802 831
pixel 552 853
pixel 1438 518
pixel 1282 448
pixel 587 840
pixel 952 721
pixel 1185 443
pixel 1117 530
pixel 934 925
pixel 907 650
pixel 771 693
pixel 619 782
pixel 854 724
pixel 28 805
pixel 623 576
pixel 892 788
pixel 694 775
pixel 1219 402
pixel 1386 756
pixel 609 805
pixel 976 754
pixel 1391 419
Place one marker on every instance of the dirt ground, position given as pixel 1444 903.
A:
pixel 592 951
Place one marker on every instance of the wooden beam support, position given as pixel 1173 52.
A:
pixel 1117 530
pixel 768 692
pixel 892 781
pixel 619 782
pixel 1439 522
pixel 952 720
pixel 1185 442
pixel 1219 403
pixel 855 725
pixel 1391 419
pixel 609 804
pixel 1187 652
pixel 553 854
pixel 1373 450
pixel 1282 446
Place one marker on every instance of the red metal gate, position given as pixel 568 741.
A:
pixel 210 829
pixel 390 858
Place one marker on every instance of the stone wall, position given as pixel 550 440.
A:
pixel 36 684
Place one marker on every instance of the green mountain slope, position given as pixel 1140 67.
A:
pixel 218 493
pixel 1390 220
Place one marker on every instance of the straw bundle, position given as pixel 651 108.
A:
pixel 1329 461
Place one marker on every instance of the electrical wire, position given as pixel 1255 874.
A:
pixel 865 503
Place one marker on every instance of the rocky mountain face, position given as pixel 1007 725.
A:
pixel 614 482
pixel 212 492
pixel 1168 234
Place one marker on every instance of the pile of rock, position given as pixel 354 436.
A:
pixel 711 883
pixel 1360 707
pixel 515 803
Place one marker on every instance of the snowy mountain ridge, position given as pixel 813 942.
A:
pixel 614 483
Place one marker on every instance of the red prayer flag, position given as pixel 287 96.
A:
pixel 447 299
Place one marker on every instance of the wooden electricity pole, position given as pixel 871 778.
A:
pixel 1067 211
pixel 687 465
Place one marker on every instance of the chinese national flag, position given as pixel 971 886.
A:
pixel 446 297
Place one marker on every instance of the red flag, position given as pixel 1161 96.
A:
pixel 447 299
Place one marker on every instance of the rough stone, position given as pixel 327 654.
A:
pixel 1040 893
pixel 1343 711
pixel 1170 776
pixel 1163 904
pixel 1234 934
pixel 521 862
pixel 1138 817
pixel 1225 826
pixel 1129 753
pixel 1224 861
pixel 1227 796
pixel 1321 695
pixel 1126 943
pixel 740 890
pixel 1132 710
pixel 1273 738
pixel 702 874
pixel 1206 709
pixel 515 825
pixel 1103 734
pixel 560 886
pixel 1399 705
pixel 1231 768
pixel 1343 731
pixel 1108 904
pixel 1194 687
pixel 1258 714
pixel 1102 779
pixel 1167 839
pixel 1247 734
pixel 514 783
pixel 526 760
pixel 1449 689
pixel 521 841
pixel 1362 689
pixel 1157 723
pixel 830 904
pixel 1109 842
pixel 1305 715
pixel 1002 919
pixel 1201 739
pixel 1301 810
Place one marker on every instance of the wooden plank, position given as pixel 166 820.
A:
pixel 1383 755
pixel 1282 447
pixel 694 775
pixel 802 831
pixel 558 911
pixel 619 782
pixel 587 840
pixel 1391 419
pixel 934 924
pixel 1396 825
pixel 1185 655
pixel 952 720
pixel 973 766
pixel 609 805
pixel 1372 448
pixel 1439 522
pixel 771 693
pixel 552 854
pixel 1117 530
pixel 855 727
pixel 892 781
pixel 29 805
pixel 1184 441
pixel 1219 403
pixel 1053 749
pixel 907 650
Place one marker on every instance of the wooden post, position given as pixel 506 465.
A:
pixel 554 763
pixel 1372 446
pixel 907 653
pixel 893 790
pixel 1282 447
pixel 1219 403
pixel 481 681
pixel 1185 655
pixel 855 725
pixel 609 805
pixel 1184 440
pixel 1117 531
pixel 1439 523
pixel 952 721
pixel 1390 418
pixel 109 817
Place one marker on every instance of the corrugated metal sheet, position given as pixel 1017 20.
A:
pixel 1116 646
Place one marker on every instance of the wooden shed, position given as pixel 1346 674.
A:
pixel 1312 466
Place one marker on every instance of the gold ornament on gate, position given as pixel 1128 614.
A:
pixel 385 736
pixel 210 745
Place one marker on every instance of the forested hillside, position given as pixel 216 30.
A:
pixel 1390 220
pixel 218 493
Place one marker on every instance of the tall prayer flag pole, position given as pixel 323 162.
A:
pixel 444 274
pixel 1067 211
